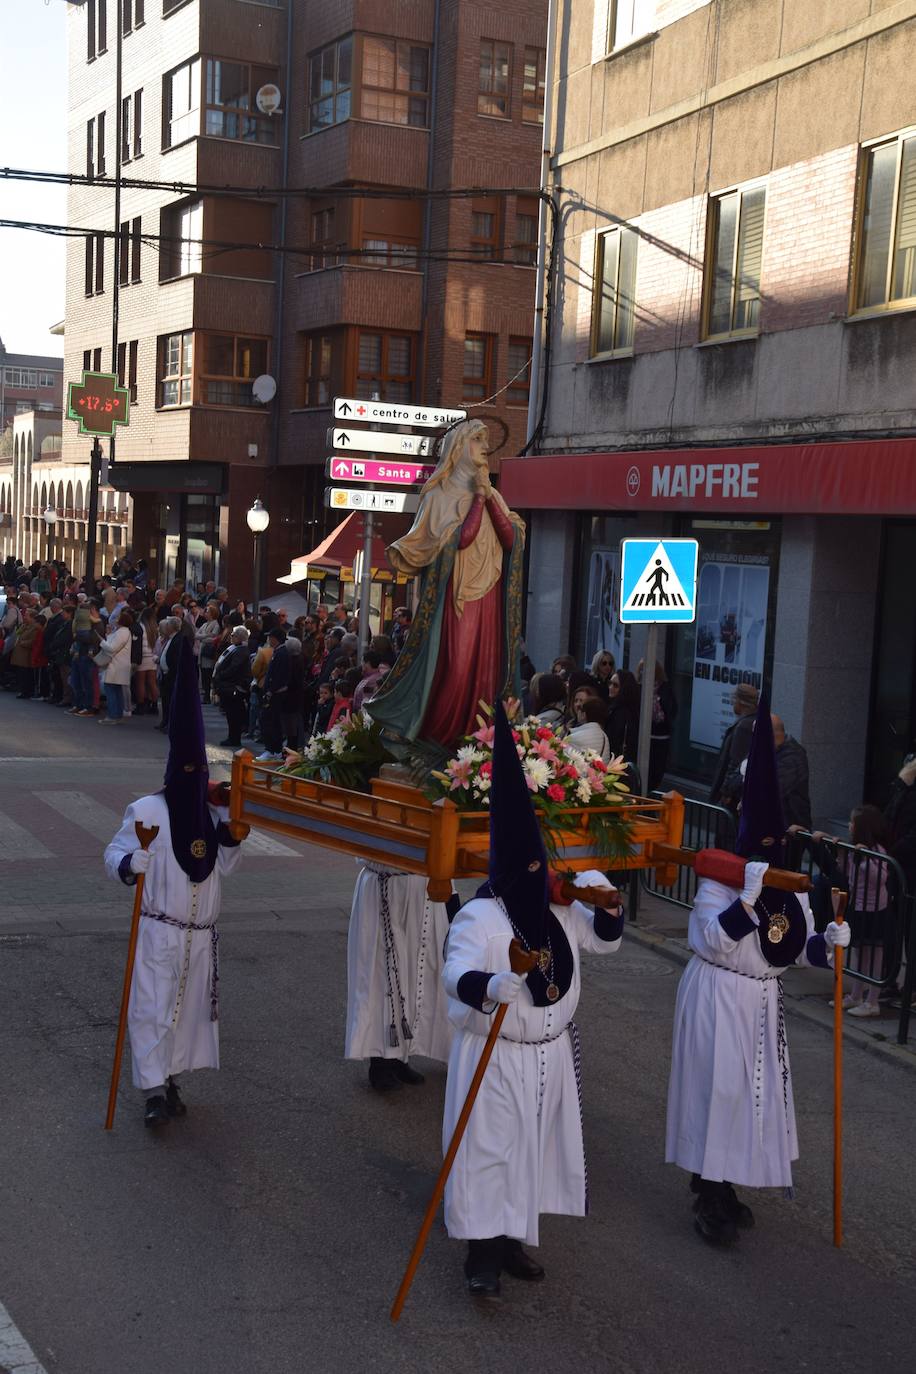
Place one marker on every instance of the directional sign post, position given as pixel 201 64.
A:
pixel 392 474
pixel 379 441
pixel 360 498
pixel 658 586
pixel 388 413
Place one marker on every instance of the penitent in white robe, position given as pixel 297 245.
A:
pixel 730 1110
pixel 395 941
pixel 522 1153
pixel 169 1014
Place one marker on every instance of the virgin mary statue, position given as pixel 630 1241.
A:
pixel 463 646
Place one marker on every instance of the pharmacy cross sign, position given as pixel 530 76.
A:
pixel 98 403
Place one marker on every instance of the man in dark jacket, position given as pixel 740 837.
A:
pixel 276 686
pixel 232 683
pixel 58 640
pixel 792 768
pixel 900 814
pixel 736 742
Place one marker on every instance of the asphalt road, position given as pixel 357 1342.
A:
pixel 266 1233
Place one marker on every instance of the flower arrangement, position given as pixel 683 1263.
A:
pixel 560 777
pixel 349 754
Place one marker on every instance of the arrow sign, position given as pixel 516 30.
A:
pixel 379 441
pixel 386 412
pixel 358 498
pixel 393 474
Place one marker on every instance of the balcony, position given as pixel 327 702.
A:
pixel 363 151
pixel 375 297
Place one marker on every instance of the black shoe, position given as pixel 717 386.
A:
pixel 382 1076
pixel 173 1102
pixel 739 1211
pixel 711 1219
pixel 519 1264
pixel 224 742
pixel 157 1112
pixel 482 1268
pixel 405 1073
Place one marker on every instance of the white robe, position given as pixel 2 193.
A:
pixel 522 1152
pixel 730 1110
pixel 412 951
pixel 171 1031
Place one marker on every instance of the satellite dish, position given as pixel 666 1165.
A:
pixel 264 388
pixel 268 99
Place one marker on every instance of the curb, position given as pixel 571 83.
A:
pixel 888 1050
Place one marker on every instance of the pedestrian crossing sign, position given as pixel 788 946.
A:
pixel 658 581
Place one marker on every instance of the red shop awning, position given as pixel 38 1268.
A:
pixel 859 477
pixel 338 549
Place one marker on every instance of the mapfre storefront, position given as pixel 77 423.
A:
pixel 806 583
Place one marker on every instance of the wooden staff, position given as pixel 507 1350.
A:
pixel 520 961
pixel 145 835
pixel 839 899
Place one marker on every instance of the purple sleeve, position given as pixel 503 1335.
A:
pixel 224 836
pixel 124 871
pixel 735 921
pixel 608 926
pixel 472 988
pixel 471 527
pixel 816 951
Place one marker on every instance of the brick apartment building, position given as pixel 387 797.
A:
pixel 410 98
pixel 28 381
pixel 733 359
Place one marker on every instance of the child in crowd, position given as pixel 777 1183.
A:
pixel 865 879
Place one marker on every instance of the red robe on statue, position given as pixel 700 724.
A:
pixel 470 668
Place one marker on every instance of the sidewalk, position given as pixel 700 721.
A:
pixel 661 926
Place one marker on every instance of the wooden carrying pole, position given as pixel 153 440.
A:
pixel 840 899
pixel 145 836
pixel 521 962
pixel 723 866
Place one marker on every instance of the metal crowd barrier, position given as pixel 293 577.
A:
pixel 705 827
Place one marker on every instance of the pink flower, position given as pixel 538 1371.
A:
pixel 485 735
pixel 532 785
pixel 542 750
pixel 459 770
pixel 555 792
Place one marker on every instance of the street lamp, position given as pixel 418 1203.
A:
pixel 258 518
pixel 50 518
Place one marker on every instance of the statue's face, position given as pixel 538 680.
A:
pixel 480 447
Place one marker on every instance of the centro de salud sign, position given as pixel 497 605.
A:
pixel 97 403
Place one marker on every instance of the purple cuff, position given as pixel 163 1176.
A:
pixel 224 836
pixel 817 952
pixel 607 926
pixel 124 871
pixel 735 921
pixel 472 989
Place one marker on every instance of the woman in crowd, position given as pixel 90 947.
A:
pixel 865 879
pixel 664 711
pixel 548 698
pixel 603 666
pixel 114 656
pixel 588 732
pixel 563 666
pixel 622 725
pixel 259 666
pixel 143 683
pixel 32 625
pixel 579 684
pixel 206 648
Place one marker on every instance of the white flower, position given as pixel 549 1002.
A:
pixel 338 745
pixel 577 759
pixel 538 771
pixel 484 783
pixel 584 791
pixel 468 754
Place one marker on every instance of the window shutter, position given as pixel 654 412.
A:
pixel 905 252
pixel 750 257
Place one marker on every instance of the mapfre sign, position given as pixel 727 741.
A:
pixel 855 477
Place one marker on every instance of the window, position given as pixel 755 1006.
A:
pixel 519 370
pixel 176 368
pixel 127 353
pixel 169 5
pixel 385 366
pixel 129 252
pixel 325 248
pixel 138 123
pixel 319 369
pixel 389 252
pixel 733 257
pixel 90 29
pixel 613 314
pixel 90 148
pixel 478 367
pixel 493 90
pixel 87 360
pixel 47 378
pixel 131 131
pixel 181 103
pixel 95 264
pixel 525 242
pixel 21 377
pixel 125 129
pixel 92 360
pixel 395 82
pixel 330 84
pixel 102 30
pixel 886 268
pixel 181 251
pixel 628 20
pixel 95 146
pixel 533 88
pixel 230 365
pixel 485 227
pixel 232 110
pixel 131 15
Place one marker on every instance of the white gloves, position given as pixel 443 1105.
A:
pixel 837 935
pixel 753 882
pixel 592 878
pixel 504 987
pixel 139 861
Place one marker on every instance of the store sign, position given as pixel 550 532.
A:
pixel 730 640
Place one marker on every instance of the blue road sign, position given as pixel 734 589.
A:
pixel 658 581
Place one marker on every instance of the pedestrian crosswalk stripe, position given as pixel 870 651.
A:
pixel 16 1355
pixel 80 809
pixel 18 843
